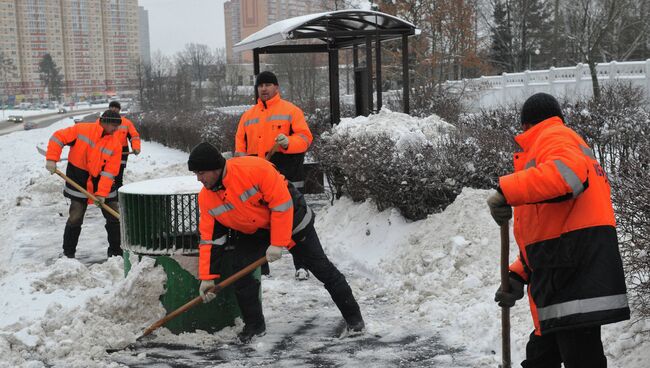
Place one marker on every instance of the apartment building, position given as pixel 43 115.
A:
pixel 245 17
pixel 94 43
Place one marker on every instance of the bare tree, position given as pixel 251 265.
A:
pixel 198 57
pixel 588 22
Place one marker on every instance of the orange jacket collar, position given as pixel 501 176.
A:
pixel 527 138
pixel 270 101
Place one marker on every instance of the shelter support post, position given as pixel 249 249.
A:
pixel 405 73
pixel 369 71
pixel 256 69
pixel 335 110
pixel 378 73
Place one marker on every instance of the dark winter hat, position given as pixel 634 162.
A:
pixel 266 77
pixel 540 107
pixel 115 104
pixel 111 117
pixel 205 157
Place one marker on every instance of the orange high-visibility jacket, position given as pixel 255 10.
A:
pixel 126 131
pixel 253 196
pixel 90 152
pixel 565 228
pixel 259 126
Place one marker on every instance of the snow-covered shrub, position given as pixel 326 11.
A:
pixel 631 192
pixel 614 126
pixel 185 129
pixel 415 165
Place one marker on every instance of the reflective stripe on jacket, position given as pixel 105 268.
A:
pixel 253 196
pixel 565 228
pixel 90 151
pixel 259 126
pixel 126 132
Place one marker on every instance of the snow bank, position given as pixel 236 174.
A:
pixel 406 131
pixel 445 270
pixel 78 336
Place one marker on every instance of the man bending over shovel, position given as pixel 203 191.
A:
pixel 249 195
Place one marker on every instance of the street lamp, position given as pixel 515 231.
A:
pixel 536 52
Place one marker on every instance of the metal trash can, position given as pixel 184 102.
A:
pixel 159 218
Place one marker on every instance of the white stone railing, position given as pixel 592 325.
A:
pixel 566 82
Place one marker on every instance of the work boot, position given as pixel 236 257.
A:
pixel 70 240
pixel 356 325
pixel 302 274
pixel 250 331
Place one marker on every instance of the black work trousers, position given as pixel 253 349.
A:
pixel 576 348
pixel 76 219
pixel 119 179
pixel 249 248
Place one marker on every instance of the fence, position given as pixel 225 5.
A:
pixel 564 82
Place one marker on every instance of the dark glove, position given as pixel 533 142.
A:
pixel 508 299
pixel 499 208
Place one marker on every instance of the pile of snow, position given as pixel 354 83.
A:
pixel 114 312
pixel 430 278
pixel 406 131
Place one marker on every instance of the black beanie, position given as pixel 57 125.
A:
pixel 540 107
pixel 266 77
pixel 115 104
pixel 111 117
pixel 205 157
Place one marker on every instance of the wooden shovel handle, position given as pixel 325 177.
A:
pixel 88 194
pixel 505 286
pixel 273 150
pixel 198 300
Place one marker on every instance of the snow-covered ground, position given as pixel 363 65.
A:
pixel 425 287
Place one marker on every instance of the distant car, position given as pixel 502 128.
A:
pixel 15 118
pixel 30 125
pixel 62 110
pixel 77 120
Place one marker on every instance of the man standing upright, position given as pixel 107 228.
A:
pixel 93 163
pixel 125 133
pixel 276 122
pixel 565 228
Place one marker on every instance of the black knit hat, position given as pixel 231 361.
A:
pixel 266 77
pixel 205 157
pixel 540 107
pixel 111 117
pixel 115 104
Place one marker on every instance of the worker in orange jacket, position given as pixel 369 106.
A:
pixel 126 133
pixel 274 121
pixel 248 195
pixel 93 163
pixel 565 228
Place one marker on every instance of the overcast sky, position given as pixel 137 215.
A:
pixel 174 23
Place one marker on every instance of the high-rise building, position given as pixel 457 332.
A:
pixel 94 43
pixel 245 17
pixel 143 21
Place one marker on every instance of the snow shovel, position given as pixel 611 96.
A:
pixel 505 287
pixel 88 194
pixel 196 301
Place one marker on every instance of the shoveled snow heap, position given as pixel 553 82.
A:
pixel 406 131
pixel 434 277
pixel 116 309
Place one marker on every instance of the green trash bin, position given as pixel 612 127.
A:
pixel 159 219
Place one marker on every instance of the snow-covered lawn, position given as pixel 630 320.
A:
pixel 425 287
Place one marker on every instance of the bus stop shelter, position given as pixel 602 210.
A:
pixel 330 32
